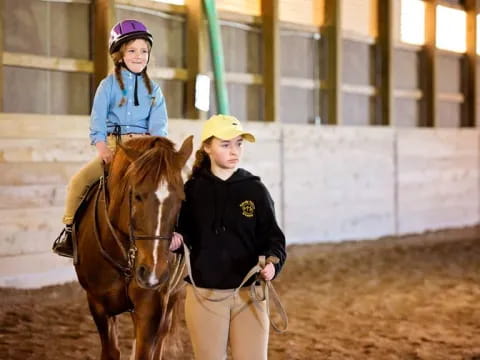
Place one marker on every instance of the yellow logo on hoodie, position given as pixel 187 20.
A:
pixel 248 208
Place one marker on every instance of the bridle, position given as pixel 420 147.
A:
pixel 129 254
pixel 126 266
pixel 131 229
pixel 177 265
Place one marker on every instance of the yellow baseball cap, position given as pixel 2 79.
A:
pixel 224 127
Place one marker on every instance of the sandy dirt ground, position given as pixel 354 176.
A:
pixel 409 298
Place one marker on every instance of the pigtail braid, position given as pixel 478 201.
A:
pixel 148 85
pixel 146 81
pixel 118 76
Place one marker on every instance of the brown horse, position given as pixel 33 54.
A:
pixel 123 261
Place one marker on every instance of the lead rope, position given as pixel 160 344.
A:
pixel 268 291
pixel 172 288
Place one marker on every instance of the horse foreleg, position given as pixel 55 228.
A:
pixel 165 329
pixel 107 329
pixel 162 336
pixel 146 329
pixel 132 354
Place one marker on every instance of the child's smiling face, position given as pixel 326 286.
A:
pixel 136 55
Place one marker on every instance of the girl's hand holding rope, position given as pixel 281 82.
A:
pixel 104 152
pixel 176 242
pixel 268 272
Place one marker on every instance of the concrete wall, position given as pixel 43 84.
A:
pixel 339 183
pixel 437 179
pixel 328 183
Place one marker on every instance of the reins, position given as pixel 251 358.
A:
pixel 130 254
pixel 268 291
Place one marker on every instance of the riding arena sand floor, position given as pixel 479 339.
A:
pixel 409 298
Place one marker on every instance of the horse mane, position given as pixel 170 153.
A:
pixel 158 161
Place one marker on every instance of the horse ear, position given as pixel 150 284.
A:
pixel 186 149
pixel 131 153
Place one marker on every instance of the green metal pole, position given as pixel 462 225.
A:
pixel 216 50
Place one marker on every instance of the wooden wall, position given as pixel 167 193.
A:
pixel 250 7
pixel 328 183
pixel 305 12
pixel 38 155
pixel 243 50
pixel 301 74
pixel 55 59
pixel 30 30
pixel 358 69
pixel 359 17
pixel 407 82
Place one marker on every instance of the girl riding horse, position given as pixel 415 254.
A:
pixel 127 104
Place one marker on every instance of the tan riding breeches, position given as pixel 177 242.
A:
pixel 84 178
pixel 236 320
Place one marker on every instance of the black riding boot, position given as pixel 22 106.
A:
pixel 63 244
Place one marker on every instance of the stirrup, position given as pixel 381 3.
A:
pixel 63 244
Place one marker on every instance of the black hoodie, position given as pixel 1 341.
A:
pixel 228 224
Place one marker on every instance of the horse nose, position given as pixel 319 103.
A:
pixel 148 278
pixel 143 274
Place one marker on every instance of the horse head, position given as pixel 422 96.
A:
pixel 147 191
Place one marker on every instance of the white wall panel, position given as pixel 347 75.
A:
pixel 338 184
pixel 438 179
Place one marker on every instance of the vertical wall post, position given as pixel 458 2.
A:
pixel 104 19
pixel 430 66
pixel 271 58
pixel 333 32
pixel 195 54
pixel 384 76
pixel 469 108
pixel 2 40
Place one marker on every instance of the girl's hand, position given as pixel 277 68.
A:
pixel 104 152
pixel 176 242
pixel 268 272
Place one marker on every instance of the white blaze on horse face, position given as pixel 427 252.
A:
pixel 161 193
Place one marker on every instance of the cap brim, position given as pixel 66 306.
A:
pixel 228 135
pixel 249 137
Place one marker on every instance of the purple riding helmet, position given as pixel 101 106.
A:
pixel 127 30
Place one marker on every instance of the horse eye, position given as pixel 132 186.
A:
pixel 138 197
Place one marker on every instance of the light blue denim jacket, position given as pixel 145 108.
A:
pixel 149 116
